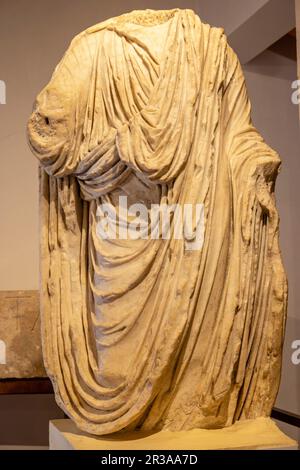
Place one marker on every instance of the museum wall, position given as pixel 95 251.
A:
pixel 34 35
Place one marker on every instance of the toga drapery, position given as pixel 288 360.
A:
pixel 144 334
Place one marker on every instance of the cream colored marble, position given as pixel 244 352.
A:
pixel 253 434
pixel 147 334
pixel 20 333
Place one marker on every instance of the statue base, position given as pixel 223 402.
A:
pixel 256 434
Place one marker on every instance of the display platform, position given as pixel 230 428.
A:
pixel 257 434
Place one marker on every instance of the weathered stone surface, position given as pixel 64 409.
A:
pixel 254 434
pixel 21 354
pixel 147 333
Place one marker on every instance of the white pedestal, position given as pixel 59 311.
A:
pixel 261 433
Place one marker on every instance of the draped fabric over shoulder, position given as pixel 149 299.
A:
pixel 145 333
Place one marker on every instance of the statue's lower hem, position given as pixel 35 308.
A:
pixel 261 433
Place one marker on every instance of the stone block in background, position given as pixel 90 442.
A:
pixel 20 339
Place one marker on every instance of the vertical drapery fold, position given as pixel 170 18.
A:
pixel 145 333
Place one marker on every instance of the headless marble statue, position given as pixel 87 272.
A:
pixel 145 333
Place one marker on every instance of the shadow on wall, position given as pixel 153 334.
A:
pixel 270 77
